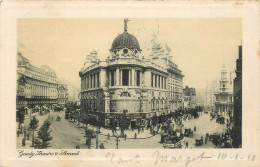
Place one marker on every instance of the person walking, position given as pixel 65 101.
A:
pixel 187 144
pixel 195 128
pixel 108 136
pixel 135 136
pixel 125 136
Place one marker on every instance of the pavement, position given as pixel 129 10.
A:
pixel 68 134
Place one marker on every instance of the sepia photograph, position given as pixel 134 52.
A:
pixel 129 83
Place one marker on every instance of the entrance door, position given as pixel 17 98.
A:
pixel 133 124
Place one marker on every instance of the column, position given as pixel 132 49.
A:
pixel 120 77
pixel 133 76
pixel 41 90
pixel 96 80
pixel 117 77
pixel 129 77
pixel 47 92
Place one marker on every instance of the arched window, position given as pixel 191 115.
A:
pixel 125 94
pixel 153 104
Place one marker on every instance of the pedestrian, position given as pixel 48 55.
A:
pixel 194 128
pixel 108 136
pixel 187 144
pixel 138 130
pixel 23 141
pixel 101 146
pixel 28 136
pixel 125 136
pixel 135 136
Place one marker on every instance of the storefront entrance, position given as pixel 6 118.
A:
pixel 133 124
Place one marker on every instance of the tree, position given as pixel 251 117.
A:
pixel 44 136
pixel 33 125
pixel 20 114
pixel 154 121
pixel 89 136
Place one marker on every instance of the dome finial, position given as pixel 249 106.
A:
pixel 126 20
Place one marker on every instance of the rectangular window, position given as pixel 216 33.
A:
pixel 94 78
pixel 155 85
pixel 91 78
pixel 159 81
pixel 151 79
pixel 113 78
pixel 125 77
pixel 162 82
pixel 87 82
pixel 138 78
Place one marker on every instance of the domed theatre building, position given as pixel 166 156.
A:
pixel 130 84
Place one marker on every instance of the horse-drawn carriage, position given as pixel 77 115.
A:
pixel 171 137
pixel 188 132
pixel 198 142
pixel 220 120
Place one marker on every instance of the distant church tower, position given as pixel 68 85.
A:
pixel 224 80
pixel 224 98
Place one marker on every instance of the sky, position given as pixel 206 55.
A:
pixel 199 46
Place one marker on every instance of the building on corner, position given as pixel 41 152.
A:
pixel 128 83
pixel 36 86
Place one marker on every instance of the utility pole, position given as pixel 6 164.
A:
pixel 117 142
pixel 97 133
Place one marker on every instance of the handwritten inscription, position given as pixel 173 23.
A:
pixel 122 160
pixel 176 159
pixel 159 158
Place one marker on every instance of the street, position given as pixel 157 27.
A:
pixel 67 134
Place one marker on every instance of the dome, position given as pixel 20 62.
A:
pixel 125 40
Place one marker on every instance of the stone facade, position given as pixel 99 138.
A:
pixel 224 97
pixel 237 142
pixel 62 94
pixel 209 94
pixel 128 83
pixel 189 97
pixel 36 87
